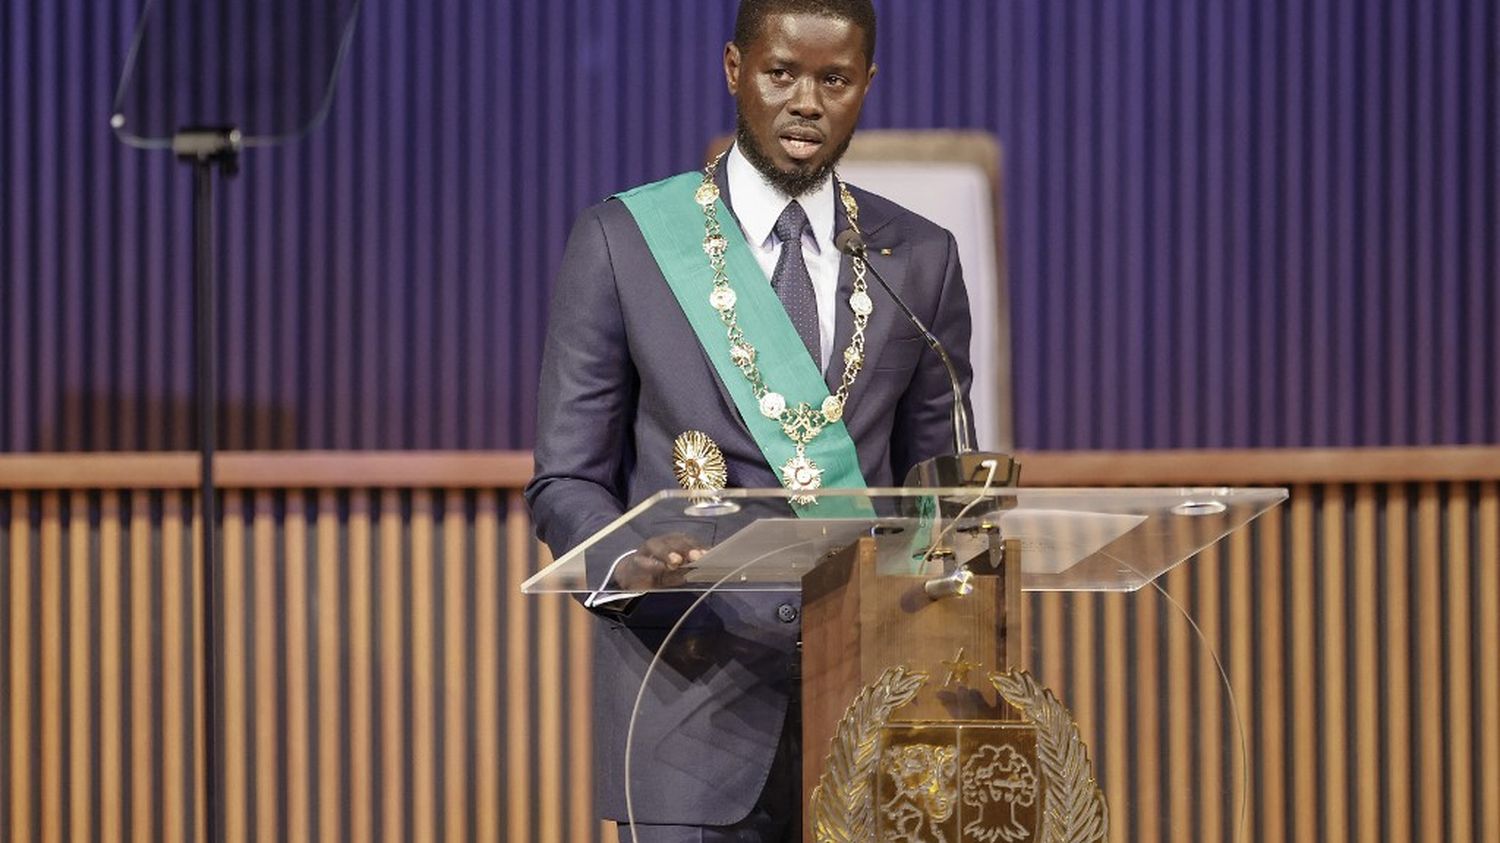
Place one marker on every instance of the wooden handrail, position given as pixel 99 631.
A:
pixel 511 469
pixel 1261 467
pixel 269 470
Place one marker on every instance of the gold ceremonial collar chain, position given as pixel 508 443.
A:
pixel 804 422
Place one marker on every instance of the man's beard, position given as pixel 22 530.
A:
pixel 794 184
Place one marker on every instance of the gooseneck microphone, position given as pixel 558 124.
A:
pixel 852 244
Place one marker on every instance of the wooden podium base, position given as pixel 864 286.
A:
pixel 858 625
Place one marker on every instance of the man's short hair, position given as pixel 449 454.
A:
pixel 753 13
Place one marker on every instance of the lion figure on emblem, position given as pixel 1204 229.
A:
pixel 924 776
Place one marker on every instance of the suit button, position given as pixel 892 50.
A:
pixel 786 613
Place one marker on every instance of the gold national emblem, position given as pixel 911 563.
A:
pixel 958 780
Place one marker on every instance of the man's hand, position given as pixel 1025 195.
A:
pixel 659 563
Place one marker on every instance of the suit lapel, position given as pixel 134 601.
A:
pixel 721 178
pixel 843 319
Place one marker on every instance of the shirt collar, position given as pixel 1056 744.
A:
pixel 757 204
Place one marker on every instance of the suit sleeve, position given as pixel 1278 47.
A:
pixel 586 400
pixel 924 416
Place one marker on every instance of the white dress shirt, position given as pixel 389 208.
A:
pixel 757 205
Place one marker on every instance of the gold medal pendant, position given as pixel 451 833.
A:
pixel 802 476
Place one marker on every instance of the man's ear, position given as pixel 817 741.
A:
pixel 732 67
pixel 870 77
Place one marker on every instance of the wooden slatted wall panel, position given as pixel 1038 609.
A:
pixel 1356 628
pixel 386 678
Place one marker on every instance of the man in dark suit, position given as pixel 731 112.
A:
pixel 637 353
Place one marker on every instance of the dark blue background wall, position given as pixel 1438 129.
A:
pixel 1246 223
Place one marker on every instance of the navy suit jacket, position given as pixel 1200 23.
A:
pixel 622 376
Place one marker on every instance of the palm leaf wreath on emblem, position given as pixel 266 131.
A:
pixel 1073 808
pixel 843 802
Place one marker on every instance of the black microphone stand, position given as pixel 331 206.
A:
pixel 206 149
pixel 965 466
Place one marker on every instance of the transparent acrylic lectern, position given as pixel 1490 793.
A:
pixel 968 665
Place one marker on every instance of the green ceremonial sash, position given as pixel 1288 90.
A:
pixel 672 222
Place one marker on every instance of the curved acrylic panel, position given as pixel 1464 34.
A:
pixel 719 674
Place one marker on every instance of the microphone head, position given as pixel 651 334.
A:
pixel 849 242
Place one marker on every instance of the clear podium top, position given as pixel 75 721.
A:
pixel 756 540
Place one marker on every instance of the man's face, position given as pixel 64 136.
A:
pixel 799 88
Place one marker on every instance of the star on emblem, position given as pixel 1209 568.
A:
pixel 958 669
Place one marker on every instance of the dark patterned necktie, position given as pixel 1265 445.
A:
pixel 791 281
